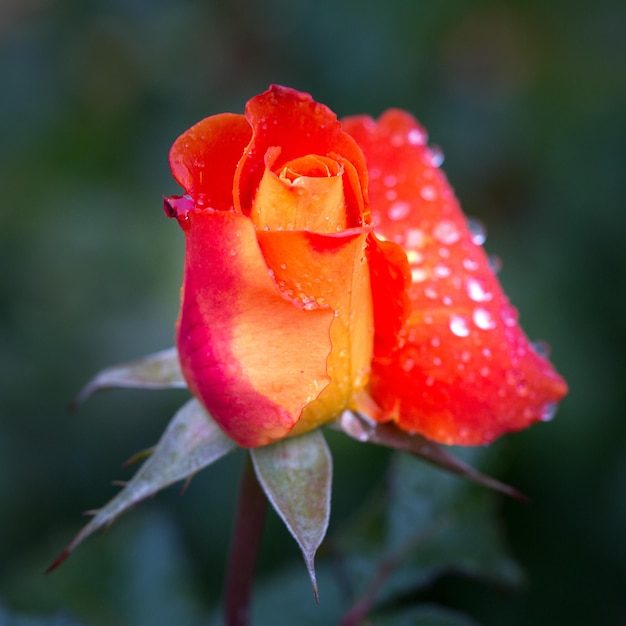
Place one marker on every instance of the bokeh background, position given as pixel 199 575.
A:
pixel 528 101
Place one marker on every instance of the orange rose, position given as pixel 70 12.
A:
pixel 298 303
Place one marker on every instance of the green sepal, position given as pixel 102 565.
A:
pixel 155 371
pixel 361 428
pixel 191 441
pixel 296 476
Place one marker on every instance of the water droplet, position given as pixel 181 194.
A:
pixel 233 252
pixel 437 361
pixel 408 364
pixel 399 210
pixel 446 232
pixel 447 300
pixel 444 253
pixel 390 181
pixel 391 194
pixel 414 257
pixel 441 271
pixel 541 348
pixel 418 275
pixel 495 263
pixel 430 381
pixel 482 318
pixel 470 265
pixel 431 292
pixel 417 137
pixel 414 238
pixel 466 356
pixel 429 193
pixel 484 371
pixel 477 290
pixel 435 156
pixel 509 316
pixel 435 342
pixel 547 412
pixel 478 232
pixel 459 327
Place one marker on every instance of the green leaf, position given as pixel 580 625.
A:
pixel 361 428
pixel 430 523
pixel 191 441
pixel 156 371
pixel 296 475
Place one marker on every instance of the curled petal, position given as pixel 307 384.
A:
pixel 293 125
pixel 204 158
pixel 253 358
pixel 462 371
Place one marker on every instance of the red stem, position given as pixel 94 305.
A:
pixel 244 549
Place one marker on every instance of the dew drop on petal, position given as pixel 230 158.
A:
pixel 459 327
pixel 477 291
pixel 429 193
pixel 418 275
pixel 408 364
pixel 435 156
pixel 495 263
pixel 446 232
pixel 509 316
pixel 414 257
pixel 416 137
pixel 414 238
pixel 390 181
pixel 470 265
pixel 441 271
pixel 398 211
pixel 478 232
pixel 482 318
pixel 541 348
pixel 547 412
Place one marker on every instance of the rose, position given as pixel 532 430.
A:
pixel 297 303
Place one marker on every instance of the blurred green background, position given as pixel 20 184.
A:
pixel 528 101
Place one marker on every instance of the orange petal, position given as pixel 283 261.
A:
pixel 204 158
pixel 307 194
pixel 462 372
pixel 293 122
pixel 252 357
pixel 316 270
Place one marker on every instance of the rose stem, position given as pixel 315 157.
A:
pixel 244 549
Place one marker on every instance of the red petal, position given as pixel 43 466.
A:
pixel 299 126
pixel 253 358
pixel 463 371
pixel 204 158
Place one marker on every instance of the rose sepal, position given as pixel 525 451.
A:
pixel 296 476
pixel 360 427
pixel 160 370
pixel 191 441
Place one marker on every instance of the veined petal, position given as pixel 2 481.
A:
pixel 293 125
pixel 317 270
pixel 204 158
pixel 462 371
pixel 252 356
